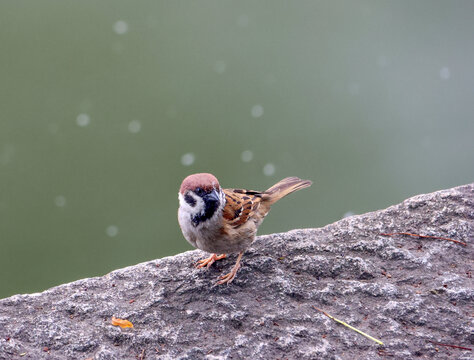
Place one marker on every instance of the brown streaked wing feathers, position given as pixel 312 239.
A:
pixel 240 205
pixel 244 204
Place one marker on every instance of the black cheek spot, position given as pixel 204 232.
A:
pixel 190 200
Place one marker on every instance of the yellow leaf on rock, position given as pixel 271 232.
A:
pixel 122 323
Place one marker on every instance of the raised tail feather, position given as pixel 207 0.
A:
pixel 285 187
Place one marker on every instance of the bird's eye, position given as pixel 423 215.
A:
pixel 199 191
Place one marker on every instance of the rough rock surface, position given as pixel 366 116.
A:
pixel 402 290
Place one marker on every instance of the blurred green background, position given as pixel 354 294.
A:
pixel 106 106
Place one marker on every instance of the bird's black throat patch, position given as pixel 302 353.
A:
pixel 210 207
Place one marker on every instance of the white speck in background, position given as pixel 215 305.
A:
pixel 83 120
pixel 220 67
pixel 246 156
pixel 269 169
pixel 134 126
pixel 112 231
pixel 243 20
pixel 120 27
pixel 187 159
pixel 60 201
pixel 348 214
pixel 257 111
pixel 444 73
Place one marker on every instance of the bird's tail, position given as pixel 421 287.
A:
pixel 285 187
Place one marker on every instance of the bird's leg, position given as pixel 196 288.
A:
pixel 227 279
pixel 209 261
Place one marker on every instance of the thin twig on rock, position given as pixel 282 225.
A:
pixel 350 327
pixel 453 346
pixel 424 236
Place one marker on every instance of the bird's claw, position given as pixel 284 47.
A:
pixel 228 278
pixel 209 261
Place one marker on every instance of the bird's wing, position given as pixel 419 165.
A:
pixel 240 206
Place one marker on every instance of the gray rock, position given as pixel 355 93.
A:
pixel 402 290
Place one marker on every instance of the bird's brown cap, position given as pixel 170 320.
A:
pixel 204 181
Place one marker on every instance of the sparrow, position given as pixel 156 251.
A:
pixel 222 221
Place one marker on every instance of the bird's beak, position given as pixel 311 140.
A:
pixel 213 196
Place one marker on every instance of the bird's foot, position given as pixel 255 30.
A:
pixel 227 278
pixel 209 261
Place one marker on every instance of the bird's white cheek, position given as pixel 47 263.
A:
pixel 187 208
